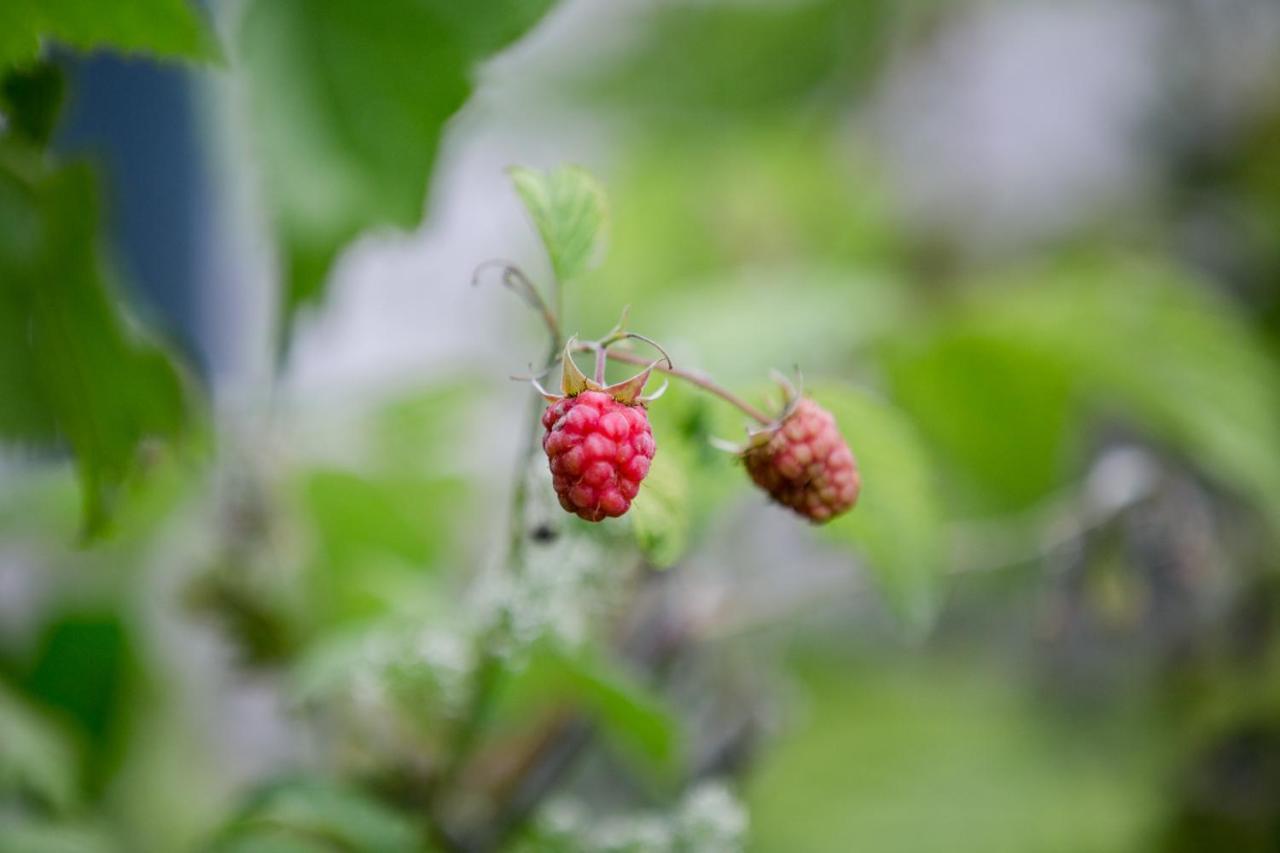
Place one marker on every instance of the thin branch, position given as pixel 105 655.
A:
pixel 601 355
pixel 693 378
pixel 488 671
pixel 514 279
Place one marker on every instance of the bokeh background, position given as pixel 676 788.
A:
pixel 1028 253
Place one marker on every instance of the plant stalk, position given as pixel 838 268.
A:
pixel 693 378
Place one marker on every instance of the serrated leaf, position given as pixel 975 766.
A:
pixel 163 28
pixel 660 514
pixel 35 755
pixel 72 368
pixel 569 210
pixel 349 103
pixel 897 523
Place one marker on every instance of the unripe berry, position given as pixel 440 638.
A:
pixel 805 464
pixel 599 449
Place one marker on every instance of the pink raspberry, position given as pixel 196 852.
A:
pixel 805 464
pixel 600 450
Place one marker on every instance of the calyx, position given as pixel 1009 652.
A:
pixel 573 381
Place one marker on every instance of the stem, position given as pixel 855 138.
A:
pixel 488 670
pixel 514 279
pixel 601 354
pixel 698 379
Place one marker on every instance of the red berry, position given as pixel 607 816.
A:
pixel 805 464
pixel 599 450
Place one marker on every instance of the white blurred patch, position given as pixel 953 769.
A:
pixel 1021 120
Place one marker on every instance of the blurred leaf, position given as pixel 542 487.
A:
pixel 1003 417
pixel 353 513
pixel 711 61
pixel 568 207
pixel 71 367
pixel 86 667
pixel 814 315
pixel 630 714
pixel 30 836
pixel 947 756
pixel 350 102
pixel 421 431
pixel 1145 341
pixel 660 514
pixel 29 101
pixel 35 755
pixel 166 28
pixel 317 815
pixel 378 537
pixel 897 523
pixel 779 211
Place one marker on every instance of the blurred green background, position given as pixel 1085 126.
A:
pixel 257 433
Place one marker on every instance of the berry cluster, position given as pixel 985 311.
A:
pixel 599 444
pixel 600 450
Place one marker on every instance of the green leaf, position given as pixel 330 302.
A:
pixel 629 713
pixel 377 538
pixel 568 208
pixel 86 666
pixel 660 514
pixel 315 814
pixel 35 836
pixel 897 523
pixel 1150 343
pixel 30 99
pixel 164 28
pixel 36 757
pixel 73 369
pixel 352 513
pixel 953 757
pixel 349 105
pixel 1003 418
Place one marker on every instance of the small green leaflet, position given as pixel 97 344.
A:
pixel 569 210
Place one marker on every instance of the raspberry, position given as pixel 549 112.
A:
pixel 599 449
pixel 805 464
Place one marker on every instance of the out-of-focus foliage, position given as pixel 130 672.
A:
pixel 628 713
pixel 350 104
pixel 694 63
pixel 898 523
pixel 708 819
pixel 1117 335
pixel 942 755
pixel 303 815
pixel 36 758
pixel 34 836
pixel 71 368
pixel 1067 449
pixel 30 100
pixel 169 28
pixel 661 514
